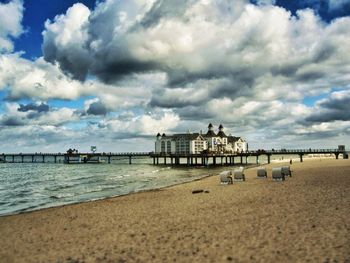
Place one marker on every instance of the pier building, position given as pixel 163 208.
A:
pixel 196 143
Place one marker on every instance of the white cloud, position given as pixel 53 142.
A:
pixel 187 63
pixel 147 124
pixel 11 15
pixel 54 117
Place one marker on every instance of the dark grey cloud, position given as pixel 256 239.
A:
pixel 34 107
pixel 332 109
pixel 97 108
pixel 12 121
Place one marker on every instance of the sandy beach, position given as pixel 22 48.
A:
pixel 303 219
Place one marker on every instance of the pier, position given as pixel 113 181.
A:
pixel 203 159
pixel 236 158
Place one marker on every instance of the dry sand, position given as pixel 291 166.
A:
pixel 303 219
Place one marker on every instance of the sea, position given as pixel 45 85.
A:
pixel 32 186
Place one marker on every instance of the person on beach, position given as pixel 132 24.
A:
pixel 290 161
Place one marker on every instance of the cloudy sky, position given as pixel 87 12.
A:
pixel 114 73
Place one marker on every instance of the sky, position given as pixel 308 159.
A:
pixel 114 73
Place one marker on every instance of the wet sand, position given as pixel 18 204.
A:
pixel 303 219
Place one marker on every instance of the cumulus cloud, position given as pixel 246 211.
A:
pixel 334 108
pixel 11 15
pixel 246 42
pixel 161 65
pixel 248 65
pixel 37 79
pixel 145 125
pixel 42 80
pixel 64 40
pixel 36 114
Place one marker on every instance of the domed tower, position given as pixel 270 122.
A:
pixel 158 136
pixel 210 132
pixel 221 132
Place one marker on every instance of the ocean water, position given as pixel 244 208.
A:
pixel 27 186
pixel 33 186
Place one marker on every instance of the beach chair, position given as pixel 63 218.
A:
pixel 286 171
pixel 261 172
pixel 277 174
pixel 225 177
pixel 238 174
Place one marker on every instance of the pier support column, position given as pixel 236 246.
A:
pixel 154 161
pixel 257 159
pixel 109 159
pixel 233 160
pixel 337 156
pixel 32 158
pixel 22 159
pixel 196 160
pixel 268 158
pixel 43 158
pixel 207 161
pixel 130 159
pixel 164 160
pixel 13 158
pixel 214 160
pixel 157 160
pixel 55 157
pixel 241 159
pixel 301 157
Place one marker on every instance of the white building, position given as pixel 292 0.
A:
pixel 192 143
pixel 195 143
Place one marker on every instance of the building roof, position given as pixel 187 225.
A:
pixel 222 134
pixel 210 133
pixel 187 136
pixel 232 139
pixel 210 125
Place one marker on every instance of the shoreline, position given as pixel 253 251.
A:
pixel 217 169
pixel 304 218
pixel 210 170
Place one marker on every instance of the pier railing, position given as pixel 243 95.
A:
pixel 39 157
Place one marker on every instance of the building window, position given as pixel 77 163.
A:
pixel 168 147
pixel 163 147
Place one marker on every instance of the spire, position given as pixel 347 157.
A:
pixel 158 134
pixel 210 132
pixel 221 131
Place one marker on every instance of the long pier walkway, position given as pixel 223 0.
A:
pixel 231 159
pixel 167 158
